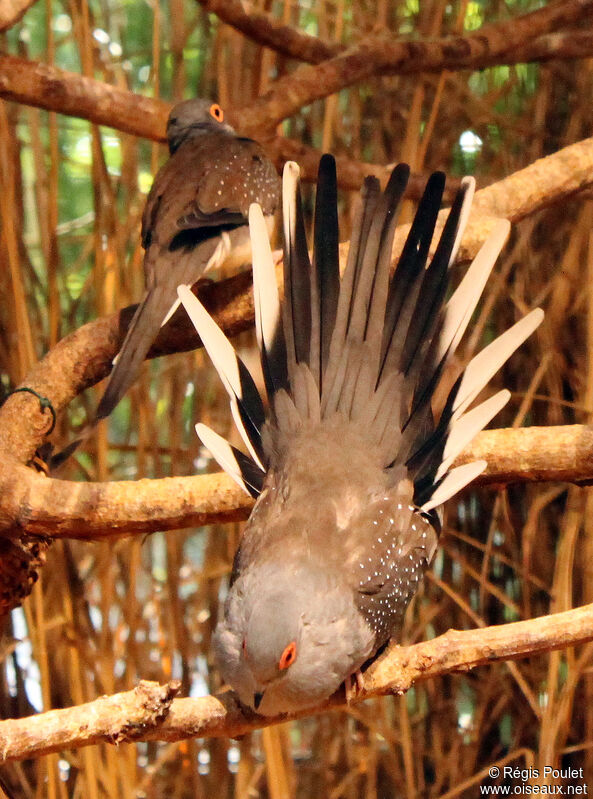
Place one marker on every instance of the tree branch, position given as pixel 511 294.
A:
pixel 11 11
pixel 381 54
pixel 54 89
pixel 291 43
pixel 149 712
pixel 266 31
pixel 34 505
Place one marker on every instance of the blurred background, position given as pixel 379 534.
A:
pixel 105 615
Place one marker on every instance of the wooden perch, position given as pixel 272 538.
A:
pixel 149 712
pixel 34 505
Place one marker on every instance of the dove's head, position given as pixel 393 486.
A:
pixel 289 638
pixel 193 118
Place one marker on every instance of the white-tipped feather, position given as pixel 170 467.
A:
pixel 457 479
pixel 221 354
pixel 228 458
pixel 290 183
pixel 462 304
pixel 215 342
pixel 470 184
pixel 290 179
pixel 265 288
pixel 487 362
pixel 223 453
pixel 467 426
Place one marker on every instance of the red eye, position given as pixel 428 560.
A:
pixel 216 112
pixel 288 656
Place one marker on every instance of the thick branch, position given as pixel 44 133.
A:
pixel 11 11
pixel 266 31
pixel 149 712
pixel 512 41
pixel 35 505
pixel 382 54
pixel 32 504
pixel 53 89
pixel 546 182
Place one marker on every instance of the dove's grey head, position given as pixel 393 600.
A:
pixel 194 118
pixel 289 637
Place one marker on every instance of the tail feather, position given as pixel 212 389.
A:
pixel 334 381
pixel 452 484
pixel 353 364
pixel 297 272
pixel 468 425
pixel 356 354
pixel 370 347
pixel 449 328
pixel 433 455
pixel 154 311
pixel 370 277
pixel 326 264
pixel 459 309
pixel 388 213
pixel 246 404
pixel 383 408
pixel 487 362
pixel 407 280
pixel 336 367
pixel 426 321
pixel 268 313
pixel 285 409
pixel 250 434
pixel 305 394
pixel 237 465
pixel 141 334
pixel 434 286
pixel 468 186
pixel 367 319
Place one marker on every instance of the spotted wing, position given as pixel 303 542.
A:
pixel 387 566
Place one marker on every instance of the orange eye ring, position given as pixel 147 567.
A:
pixel 288 657
pixel 216 112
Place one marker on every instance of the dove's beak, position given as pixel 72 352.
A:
pixel 257 698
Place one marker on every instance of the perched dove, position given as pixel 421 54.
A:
pixel 347 463
pixel 195 219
